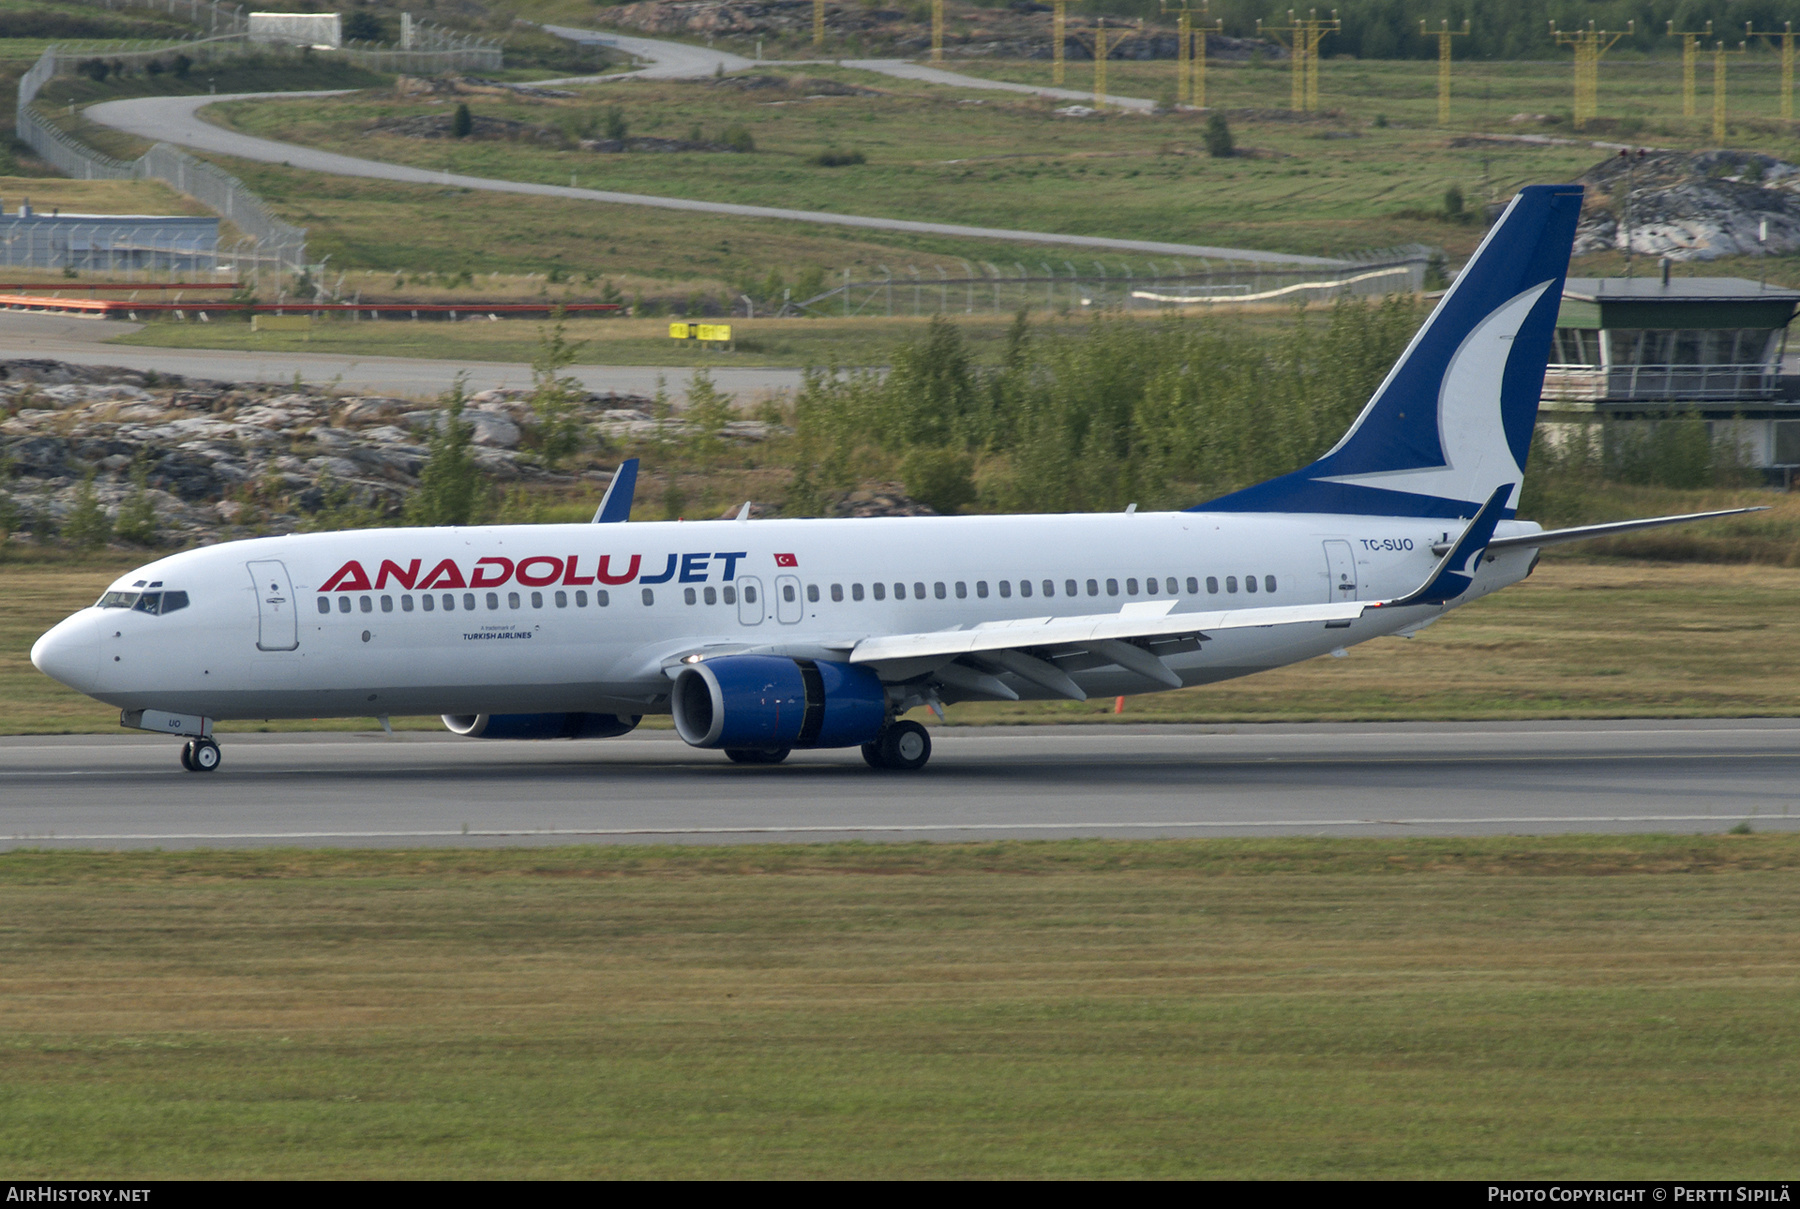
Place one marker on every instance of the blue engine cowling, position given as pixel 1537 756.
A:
pixel 540 726
pixel 768 702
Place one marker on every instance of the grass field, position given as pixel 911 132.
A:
pixel 1602 1008
pixel 1576 640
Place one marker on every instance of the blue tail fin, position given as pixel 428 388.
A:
pixel 1452 421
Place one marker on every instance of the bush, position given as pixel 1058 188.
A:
pixel 136 522
pixel 462 123
pixel 615 123
pixel 451 489
pixel 362 26
pixel 738 139
pixel 87 527
pixel 1453 202
pixel 1218 138
pixel 831 157
pixel 942 479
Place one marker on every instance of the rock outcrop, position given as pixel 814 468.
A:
pixel 1692 205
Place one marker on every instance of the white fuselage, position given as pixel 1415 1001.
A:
pixel 285 627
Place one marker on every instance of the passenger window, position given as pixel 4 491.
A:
pixel 812 593
pixel 602 598
pixel 1150 585
pixel 981 588
pixel 856 592
pixel 324 605
pixel 730 594
pixel 580 599
pixel 1112 587
pixel 1249 583
pixel 837 593
pixel 899 591
pixel 493 601
pixel 938 590
pixel 1049 587
pixel 880 591
pixel 749 593
pixel 710 595
pixel 1193 586
pixel 344 604
pixel 1268 586
pixel 1024 587
pixel 562 600
pixel 688 595
pixel 1231 583
pixel 962 590
pixel 387 604
pixel 1212 584
pixel 537 600
pixel 1093 587
pixel 1069 587
pixel 918 591
pixel 512 600
pixel 468 601
pixel 428 601
pixel 788 594
pixel 1131 587
pixel 1173 587
pixel 1006 589
pixel 368 605
pixel 406 604
pixel 649 597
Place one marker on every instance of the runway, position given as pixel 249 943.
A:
pixel 1445 779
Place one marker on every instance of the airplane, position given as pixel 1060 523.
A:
pixel 762 637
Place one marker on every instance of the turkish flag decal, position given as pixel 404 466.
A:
pixel 786 560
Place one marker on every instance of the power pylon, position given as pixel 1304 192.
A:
pixel 1443 37
pixel 1058 31
pixel 1190 52
pixel 937 31
pixel 1719 55
pixel 1590 45
pixel 1100 64
pixel 1787 37
pixel 1690 51
pixel 1304 37
pixel 818 23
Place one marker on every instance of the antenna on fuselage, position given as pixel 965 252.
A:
pixel 615 505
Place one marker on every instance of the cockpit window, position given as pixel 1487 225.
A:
pixel 145 602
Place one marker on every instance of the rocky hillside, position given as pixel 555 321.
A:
pixel 1692 205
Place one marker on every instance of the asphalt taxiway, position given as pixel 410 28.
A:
pixel 328 790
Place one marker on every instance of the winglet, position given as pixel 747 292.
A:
pixel 1452 576
pixel 615 505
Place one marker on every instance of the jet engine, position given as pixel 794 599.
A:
pixel 769 702
pixel 540 726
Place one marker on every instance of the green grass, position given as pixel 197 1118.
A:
pixel 1593 1008
pixel 1576 640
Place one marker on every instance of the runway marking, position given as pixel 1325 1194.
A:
pixel 867 828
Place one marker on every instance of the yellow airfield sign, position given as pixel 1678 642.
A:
pixel 712 332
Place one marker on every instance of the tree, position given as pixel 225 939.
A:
pixel 136 521
pixel 555 396
pixel 462 123
pixel 87 527
pixel 1218 137
pixel 451 490
pixel 362 26
pixel 1453 202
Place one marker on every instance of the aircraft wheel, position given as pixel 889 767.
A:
pixel 904 747
pixel 187 756
pixel 872 755
pixel 206 755
pixel 756 755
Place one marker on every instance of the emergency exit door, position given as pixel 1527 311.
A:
pixel 1340 569
pixel 277 620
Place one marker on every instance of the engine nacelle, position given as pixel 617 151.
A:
pixel 540 726
pixel 767 701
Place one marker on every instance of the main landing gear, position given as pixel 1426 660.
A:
pixel 902 747
pixel 200 755
pixel 757 755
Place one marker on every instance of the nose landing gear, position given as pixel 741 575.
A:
pixel 200 755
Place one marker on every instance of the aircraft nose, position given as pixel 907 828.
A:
pixel 70 652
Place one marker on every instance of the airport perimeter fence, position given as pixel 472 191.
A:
pixel 273 243
pixel 1118 285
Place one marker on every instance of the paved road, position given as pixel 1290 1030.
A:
pixel 904 70
pixel 79 341
pixel 1375 779
pixel 175 120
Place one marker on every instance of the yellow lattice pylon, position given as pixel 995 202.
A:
pixel 1590 46
pixel 1100 64
pixel 1786 37
pixel 1190 53
pixel 1719 56
pixel 1059 24
pixel 937 31
pixel 1303 39
pixel 1690 51
pixel 1443 37
pixel 818 23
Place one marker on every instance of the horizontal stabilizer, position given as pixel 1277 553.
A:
pixel 1556 537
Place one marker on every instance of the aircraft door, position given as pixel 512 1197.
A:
pixel 1340 567
pixel 788 608
pixel 277 617
pixel 750 601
